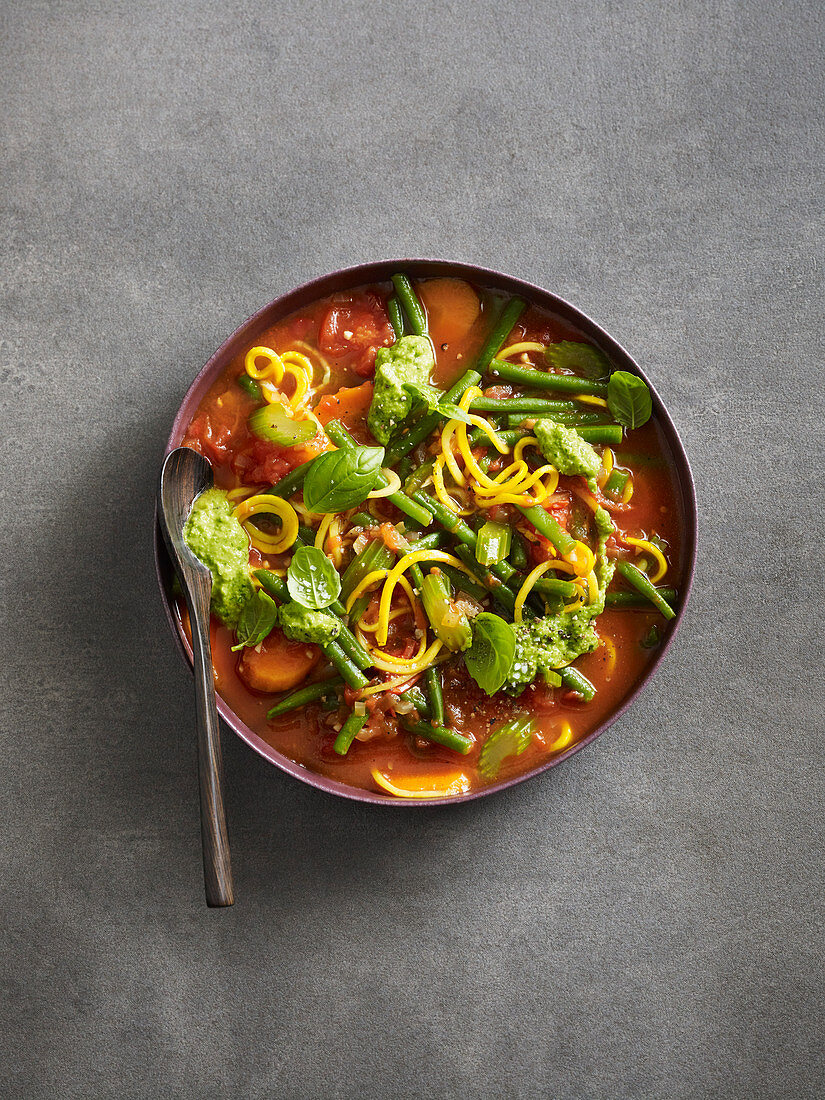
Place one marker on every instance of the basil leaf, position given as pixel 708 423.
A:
pixel 342 479
pixel 433 401
pixel 628 399
pixel 490 657
pixel 312 579
pixel 579 358
pixel 257 620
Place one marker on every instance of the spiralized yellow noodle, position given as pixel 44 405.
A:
pixel 441 489
pixel 362 586
pixel 273 506
pixel 582 558
pixel 385 685
pixel 240 493
pixel 654 551
pixel 392 486
pixel 323 529
pixel 458 784
pixel 518 349
pixel 324 362
pixel 527 587
pixel 590 399
pixel 271 375
pixel 607 460
pixel 274 367
pixel 386 663
pixel 592 587
pixel 564 739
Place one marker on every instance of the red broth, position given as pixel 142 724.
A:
pixel 348 328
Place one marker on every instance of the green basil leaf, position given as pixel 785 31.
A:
pixel 490 657
pixel 274 424
pixel 433 401
pixel 312 579
pixel 582 359
pixel 257 620
pixel 628 399
pixel 342 479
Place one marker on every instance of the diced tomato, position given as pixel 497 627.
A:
pixel 217 426
pixel 357 325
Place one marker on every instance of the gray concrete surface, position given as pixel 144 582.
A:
pixel 646 921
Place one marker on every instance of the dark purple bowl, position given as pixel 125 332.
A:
pixel 245 336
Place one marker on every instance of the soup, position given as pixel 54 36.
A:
pixel 445 536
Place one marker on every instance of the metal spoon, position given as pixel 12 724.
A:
pixel 184 476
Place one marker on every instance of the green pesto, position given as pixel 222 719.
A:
pixel 567 451
pixel 409 359
pixel 303 624
pixel 214 535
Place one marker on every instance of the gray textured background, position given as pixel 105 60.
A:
pixel 647 920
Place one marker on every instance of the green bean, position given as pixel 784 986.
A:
pixel 432 678
pixel 405 468
pixel 570 418
pixel 456 526
pixel 479 438
pixel 411 303
pixel 500 592
pixel 274 585
pixel 293 481
pixel 250 386
pixel 363 519
pixel 545 380
pixel 642 583
pixel 609 434
pixel 573 680
pixel 347 668
pixel 352 648
pixel 396 316
pixel 499 333
pixel 353 725
pixel 546 525
pixel 616 483
pixel 447 737
pixel 429 542
pixel 341 438
pixel 306 535
pixel 636 599
pixel 555 587
pixel 518 551
pixel 305 695
pixel 419 700
pixel 418 476
pixel 532 406
pixel 462 582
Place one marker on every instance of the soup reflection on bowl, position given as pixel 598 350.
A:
pixel 452 531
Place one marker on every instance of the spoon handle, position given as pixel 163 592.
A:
pixel 217 867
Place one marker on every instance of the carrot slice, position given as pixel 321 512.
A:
pixel 452 308
pixel 278 664
pixel 350 405
pixel 423 786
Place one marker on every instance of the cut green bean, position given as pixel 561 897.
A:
pixel 616 483
pixel 429 542
pixel 573 680
pixel 479 438
pixel 636 599
pixel 419 700
pixel 429 422
pixel 363 519
pixel 412 306
pixel 571 418
pixel 432 678
pixel 610 435
pixel 457 527
pixel 352 726
pixel 518 551
pixel 526 406
pixel 250 386
pixel 305 695
pixel 396 316
pixel 499 333
pixel 440 735
pixel 555 587
pixel 347 668
pixel 341 438
pixel 419 476
pixel 375 555
pixel 290 484
pixel 545 380
pixel 642 584
pixel 546 525
pixel 462 582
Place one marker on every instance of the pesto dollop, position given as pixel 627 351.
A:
pixel 566 450
pixel 215 537
pixel 409 359
pixel 304 624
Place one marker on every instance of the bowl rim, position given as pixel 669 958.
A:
pixel 380 271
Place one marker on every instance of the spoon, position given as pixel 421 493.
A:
pixel 184 476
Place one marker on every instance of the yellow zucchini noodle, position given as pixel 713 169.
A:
pixel 271 506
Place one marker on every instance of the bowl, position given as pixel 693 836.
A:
pixel 344 279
